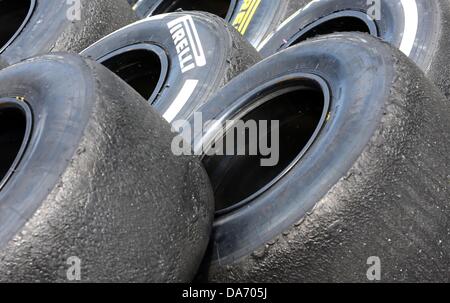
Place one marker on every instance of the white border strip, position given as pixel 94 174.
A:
pixel 411 26
pixel 181 100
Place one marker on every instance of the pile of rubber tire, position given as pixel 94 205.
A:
pixel 88 176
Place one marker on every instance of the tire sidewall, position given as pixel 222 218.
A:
pixel 200 81
pixel 57 125
pixel 354 106
pixel 62 26
pixel 401 23
pixel 254 19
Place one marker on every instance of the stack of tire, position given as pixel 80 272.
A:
pixel 87 168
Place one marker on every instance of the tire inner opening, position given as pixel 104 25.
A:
pixel 13 14
pixel 13 125
pixel 140 68
pixel 236 179
pixel 216 7
pixel 339 24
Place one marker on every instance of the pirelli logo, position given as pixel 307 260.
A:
pixel 187 43
pixel 245 15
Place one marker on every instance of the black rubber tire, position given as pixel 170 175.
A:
pixel 3 64
pixel 420 28
pixel 254 19
pixel 47 27
pixel 373 182
pixel 176 94
pixel 96 180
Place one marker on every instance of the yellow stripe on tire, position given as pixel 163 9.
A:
pixel 245 15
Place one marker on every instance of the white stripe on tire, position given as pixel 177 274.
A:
pixel 411 26
pixel 181 100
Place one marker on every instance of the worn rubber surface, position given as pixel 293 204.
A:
pixel 49 28
pixel 221 55
pixel 254 19
pixel 3 64
pixel 374 182
pixel 98 181
pixel 419 28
